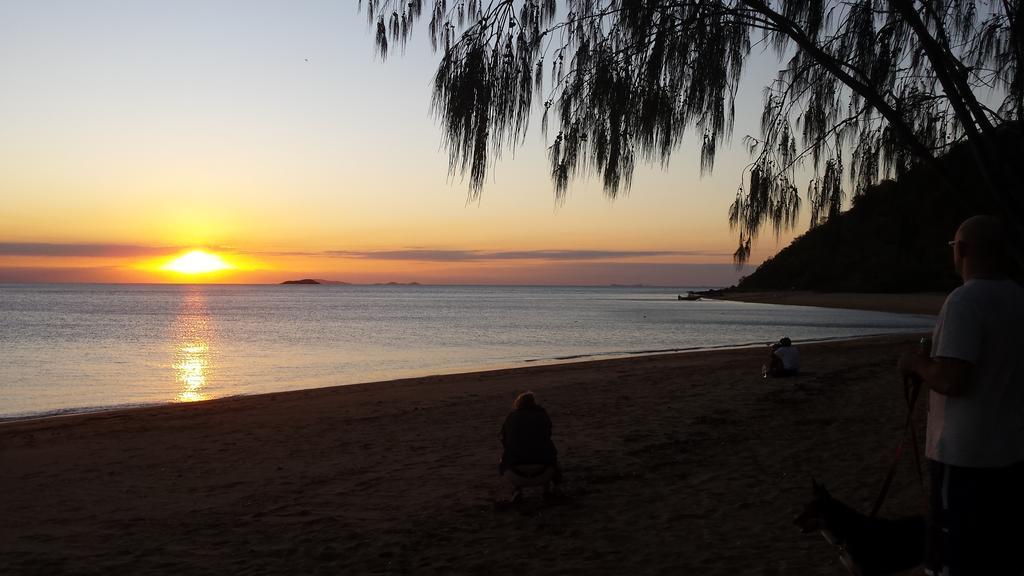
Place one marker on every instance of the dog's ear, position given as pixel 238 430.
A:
pixel 819 489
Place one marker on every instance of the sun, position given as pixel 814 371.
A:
pixel 197 262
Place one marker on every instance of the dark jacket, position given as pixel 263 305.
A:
pixel 526 436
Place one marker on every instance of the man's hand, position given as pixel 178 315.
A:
pixel 947 376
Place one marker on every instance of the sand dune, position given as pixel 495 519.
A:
pixel 675 464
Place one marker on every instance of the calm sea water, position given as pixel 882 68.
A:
pixel 67 348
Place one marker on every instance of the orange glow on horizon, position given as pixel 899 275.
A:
pixel 197 265
pixel 256 262
pixel 197 262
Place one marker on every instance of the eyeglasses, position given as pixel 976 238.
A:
pixel 953 243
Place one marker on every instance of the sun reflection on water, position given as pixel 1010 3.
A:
pixel 193 332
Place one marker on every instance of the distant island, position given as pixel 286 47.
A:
pixel 315 281
pixel 340 283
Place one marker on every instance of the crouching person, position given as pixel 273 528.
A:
pixel 529 457
pixel 783 360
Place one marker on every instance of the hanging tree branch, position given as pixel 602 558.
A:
pixel 871 88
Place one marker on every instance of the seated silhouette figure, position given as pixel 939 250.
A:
pixel 529 457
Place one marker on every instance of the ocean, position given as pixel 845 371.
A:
pixel 71 348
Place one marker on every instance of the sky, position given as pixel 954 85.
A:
pixel 269 134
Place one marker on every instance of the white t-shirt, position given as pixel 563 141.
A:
pixel 981 323
pixel 790 357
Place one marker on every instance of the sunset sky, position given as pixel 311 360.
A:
pixel 269 134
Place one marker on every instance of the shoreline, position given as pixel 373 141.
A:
pixel 921 303
pixel 482 371
pixel 674 463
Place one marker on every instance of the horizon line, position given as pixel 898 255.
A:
pixel 382 284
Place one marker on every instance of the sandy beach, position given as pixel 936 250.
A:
pixel 675 464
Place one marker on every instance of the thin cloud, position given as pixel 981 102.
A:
pixel 39 249
pixel 82 250
pixel 429 255
pixel 98 250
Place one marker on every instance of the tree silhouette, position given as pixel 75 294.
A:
pixel 868 89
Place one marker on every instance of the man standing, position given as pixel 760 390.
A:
pixel 975 440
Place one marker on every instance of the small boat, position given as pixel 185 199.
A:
pixel 690 296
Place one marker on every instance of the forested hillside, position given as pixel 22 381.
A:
pixel 893 238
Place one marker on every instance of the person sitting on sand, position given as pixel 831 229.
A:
pixel 529 457
pixel 784 359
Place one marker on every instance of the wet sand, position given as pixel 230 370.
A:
pixel 917 303
pixel 674 464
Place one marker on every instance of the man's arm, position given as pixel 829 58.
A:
pixel 947 376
